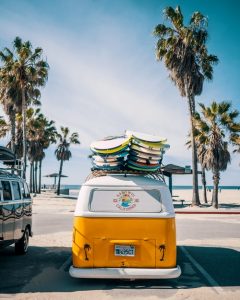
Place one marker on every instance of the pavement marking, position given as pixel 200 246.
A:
pixel 214 285
pixel 66 263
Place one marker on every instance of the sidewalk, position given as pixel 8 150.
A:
pixel 186 208
pixel 228 201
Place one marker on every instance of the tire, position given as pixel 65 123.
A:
pixel 21 246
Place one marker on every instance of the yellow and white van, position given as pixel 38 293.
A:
pixel 124 227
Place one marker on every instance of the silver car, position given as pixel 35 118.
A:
pixel 15 212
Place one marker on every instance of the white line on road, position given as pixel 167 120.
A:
pixel 215 286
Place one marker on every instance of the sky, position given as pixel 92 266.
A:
pixel 104 77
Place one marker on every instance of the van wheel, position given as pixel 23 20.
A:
pixel 21 246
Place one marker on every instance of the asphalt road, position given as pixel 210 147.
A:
pixel 208 254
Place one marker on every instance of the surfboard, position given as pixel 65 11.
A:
pixel 115 156
pixel 149 138
pixel 115 151
pixel 106 159
pixel 150 146
pixel 107 167
pixel 144 150
pixel 141 168
pixel 109 164
pixel 144 161
pixel 110 145
pixel 144 155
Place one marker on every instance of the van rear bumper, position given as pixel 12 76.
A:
pixel 125 273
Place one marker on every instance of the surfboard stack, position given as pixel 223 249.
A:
pixel 146 151
pixel 110 153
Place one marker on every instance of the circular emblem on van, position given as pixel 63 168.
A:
pixel 125 200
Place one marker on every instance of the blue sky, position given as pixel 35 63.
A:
pixel 104 77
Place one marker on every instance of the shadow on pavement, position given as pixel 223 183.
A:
pixel 43 270
pixel 16 271
pixel 223 264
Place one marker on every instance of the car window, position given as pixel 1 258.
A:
pixel 26 191
pixel 7 193
pixel 16 190
pixel 22 189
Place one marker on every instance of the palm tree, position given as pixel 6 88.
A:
pixel 212 128
pixel 11 102
pixel 4 127
pixel 62 152
pixel 40 134
pixel 184 52
pixel 235 139
pixel 9 109
pixel 48 137
pixel 200 153
pixel 24 70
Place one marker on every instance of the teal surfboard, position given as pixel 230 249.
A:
pixel 135 166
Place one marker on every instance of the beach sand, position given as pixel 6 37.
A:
pixel 226 198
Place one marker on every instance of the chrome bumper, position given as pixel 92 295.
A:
pixel 125 273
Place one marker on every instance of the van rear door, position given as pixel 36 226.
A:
pixel 120 240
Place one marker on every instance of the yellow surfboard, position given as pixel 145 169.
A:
pixel 110 145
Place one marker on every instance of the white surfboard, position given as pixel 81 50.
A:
pixel 146 137
pixel 145 150
pixel 110 145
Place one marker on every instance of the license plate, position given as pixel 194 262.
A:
pixel 121 250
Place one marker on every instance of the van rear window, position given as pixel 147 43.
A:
pixel 126 201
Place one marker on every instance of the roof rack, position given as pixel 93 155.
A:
pixel 7 172
pixel 157 175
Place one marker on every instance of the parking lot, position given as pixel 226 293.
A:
pixel 208 253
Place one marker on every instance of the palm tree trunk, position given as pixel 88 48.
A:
pixel 216 177
pixel 12 118
pixel 195 198
pixel 13 130
pixel 35 177
pixel 31 177
pixel 204 185
pixel 59 177
pixel 24 132
pixel 39 176
pixel 35 174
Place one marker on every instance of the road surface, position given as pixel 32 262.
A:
pixel 208 253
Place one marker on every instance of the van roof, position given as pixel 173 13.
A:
pixel 122 180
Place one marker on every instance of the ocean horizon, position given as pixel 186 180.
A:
pixel 175 187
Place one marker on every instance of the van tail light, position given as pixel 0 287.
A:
pixel 162 249
pixel 86 248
